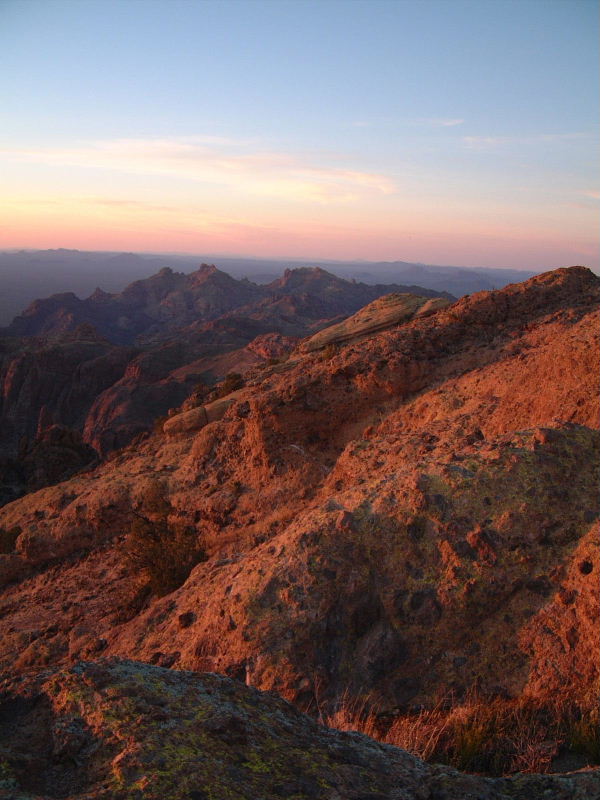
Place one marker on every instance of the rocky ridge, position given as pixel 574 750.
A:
pixel 119 729
pixel 441 535
pixel 168 301
pixel 106 367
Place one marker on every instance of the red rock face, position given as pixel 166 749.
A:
pixel 408 517
pixel 46 383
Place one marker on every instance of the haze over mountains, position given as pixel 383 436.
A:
pixel 26 275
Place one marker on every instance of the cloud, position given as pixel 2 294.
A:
pixel 588 200
pixel 493 142
pixel 431 122
pixel 118 204
pixel 441 122
pixel 236 165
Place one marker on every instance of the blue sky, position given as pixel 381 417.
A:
pixel 440 131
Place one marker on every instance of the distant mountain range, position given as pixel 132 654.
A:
pixel 26 275
pixel 95 373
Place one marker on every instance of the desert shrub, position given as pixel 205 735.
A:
pixel 353 714
pixel 8 539
pixel 329 351
pixel 200 390
pixel 233 381
pixel 421 732
pixel 473 738
pixel 161 553
pixel 584 735
pixel 197 396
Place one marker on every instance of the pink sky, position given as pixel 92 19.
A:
pixel 225 196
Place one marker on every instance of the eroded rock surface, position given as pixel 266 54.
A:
pixel 120 729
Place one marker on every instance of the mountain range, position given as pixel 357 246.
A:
pixel 389 514
pixel 26 275
pixel 94 373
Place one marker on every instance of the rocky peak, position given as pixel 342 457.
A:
pixel 99 295
pixel 301 279
pixel 207 269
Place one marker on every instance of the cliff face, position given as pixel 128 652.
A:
pixel 409 517
pixel 51 385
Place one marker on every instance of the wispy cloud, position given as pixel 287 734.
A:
pixel 587 200
pixel 236 165
pixel 441 122
pixel 493 142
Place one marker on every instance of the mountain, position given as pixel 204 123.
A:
pixel 395 529
pixel 145 307
pixel 26 275
pixel 153 308
pixel 410 517
pixel 168 334
pixel 46 390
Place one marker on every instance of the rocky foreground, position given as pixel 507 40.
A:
pixel 120 729
pixel 409 516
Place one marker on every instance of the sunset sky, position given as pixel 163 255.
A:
pixel 441 131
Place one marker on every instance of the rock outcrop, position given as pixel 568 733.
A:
pixel 381 314
pixel 113 729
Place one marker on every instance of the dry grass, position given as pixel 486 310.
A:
pixel 493 736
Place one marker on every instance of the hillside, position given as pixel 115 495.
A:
pixel 100 371
pixel 409 517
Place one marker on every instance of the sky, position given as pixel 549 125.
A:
pixel 440 131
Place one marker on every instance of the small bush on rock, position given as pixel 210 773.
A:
pixel 157 425
pixel 161 552
pixel 329 351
